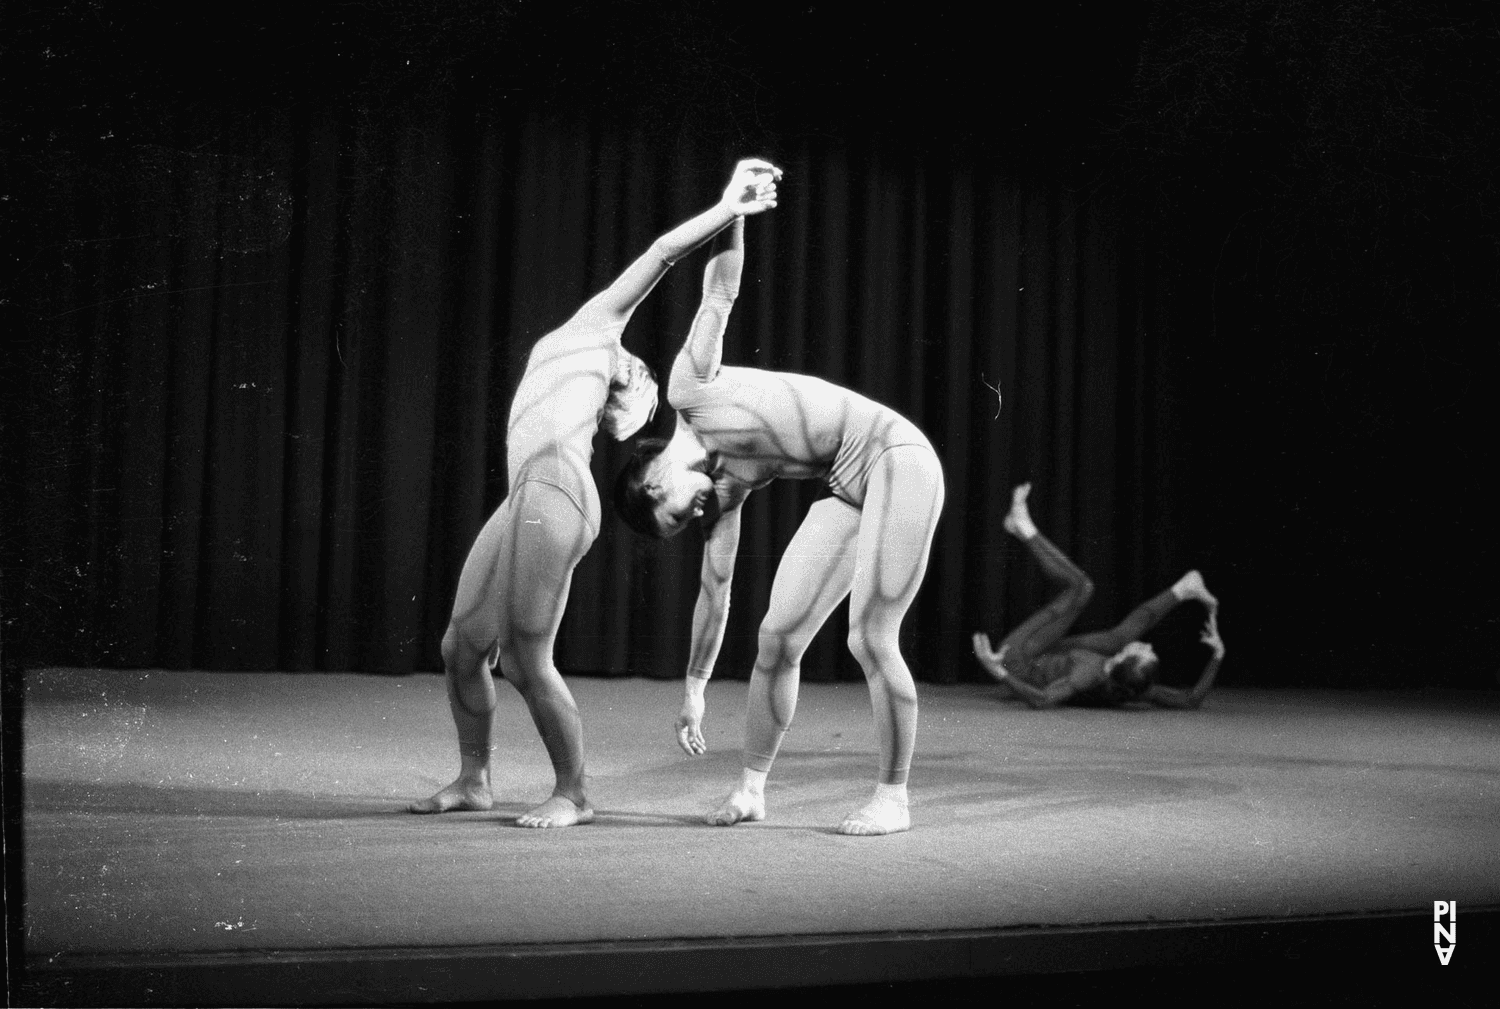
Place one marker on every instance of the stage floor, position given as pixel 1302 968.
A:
pixel 171 815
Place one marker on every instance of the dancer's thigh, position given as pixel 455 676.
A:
pixel 814 574
pixel 900 515
pixel 515 582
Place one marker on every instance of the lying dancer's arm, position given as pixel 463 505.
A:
pixel 710 614
pixel 746 194
pixel 1172 697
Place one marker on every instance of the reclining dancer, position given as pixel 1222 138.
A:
pixel 514 585
pixel 737 430
pixel 1105 668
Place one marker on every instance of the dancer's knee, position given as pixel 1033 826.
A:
pixel 778 651
pixel 526 664
pixel 877 652
pixel 463 655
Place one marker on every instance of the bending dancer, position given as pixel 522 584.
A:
pixel 1107 668
pixel 515 582
pixel 737 430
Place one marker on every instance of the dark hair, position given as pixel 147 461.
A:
pixel 1136 672
pixel 633 503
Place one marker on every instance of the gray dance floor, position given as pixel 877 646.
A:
pixel 224 838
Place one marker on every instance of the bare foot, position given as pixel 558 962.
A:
pixel 1018 520
pixel 742 804
pixel 1191 586
pixel 881 815
pixel 464 793
pixel 558 811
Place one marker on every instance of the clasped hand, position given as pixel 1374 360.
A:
pixel 752 189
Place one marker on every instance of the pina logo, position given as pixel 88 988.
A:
pixel 1445 933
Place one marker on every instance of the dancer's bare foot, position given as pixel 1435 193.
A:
pixel 557 811
pixel 464 793
pixel 1017 521
pixel 886 813
pixel 1191 586
pixel 743 804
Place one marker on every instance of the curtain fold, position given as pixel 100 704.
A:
pixel 268 400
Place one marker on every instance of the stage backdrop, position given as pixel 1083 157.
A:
pixel 269 394
pixel 1219 280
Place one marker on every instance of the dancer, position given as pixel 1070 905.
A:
pixel 514 585
pixel 737 430
pixel 1105 668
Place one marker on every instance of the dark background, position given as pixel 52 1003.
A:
pixel 270 273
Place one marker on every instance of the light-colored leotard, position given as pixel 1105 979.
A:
pixel 766 425
pixel 556 410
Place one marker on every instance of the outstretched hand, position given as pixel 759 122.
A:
pixel 1210 635
pixel 752 189
pixel 690 727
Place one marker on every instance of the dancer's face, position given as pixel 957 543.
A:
pixel 682 493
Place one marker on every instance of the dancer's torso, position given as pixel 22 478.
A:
pixel 766 425
pixel 1109 691
pixel 558 405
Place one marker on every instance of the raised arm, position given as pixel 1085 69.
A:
pixel 751 190
pixel 698 361
pixel 710 614
pixel 1172 697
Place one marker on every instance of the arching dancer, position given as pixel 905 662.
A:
pixel 1105 668
pixel 515 581
pixel 737 430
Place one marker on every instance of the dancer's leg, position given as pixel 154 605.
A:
pixel 812 578
pixel 470 649
pixel 550 536
pixel 1045 627
pixel 902 505
pixel 1146 616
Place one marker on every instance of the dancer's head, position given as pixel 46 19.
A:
pixel 663 488
pixel 632 398
pixel 1134 665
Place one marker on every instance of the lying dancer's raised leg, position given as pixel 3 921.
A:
pixel 1046 626
pixel 813 577
pixel 1052 621
pixel 902 505
pixel 1145 616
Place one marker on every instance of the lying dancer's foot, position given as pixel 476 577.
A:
pixel 886 813
pixel 557 811
pixel 1018 521
pixel 1190 586
pixel 464 793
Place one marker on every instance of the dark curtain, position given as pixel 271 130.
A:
pixel 266 401
pixel 1218 278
